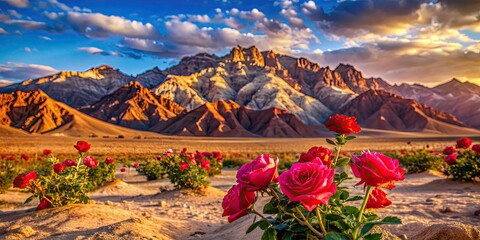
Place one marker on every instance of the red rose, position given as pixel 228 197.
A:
pixel 69 162
pixel 308 183
pixel 376 170
pixel 158 157
pixel 199 156
pixel 217 155
pixel 184 150
pixel 451 159
pixel 448 150
pixel 403 152
pixel 476 148
pixel 22 180
pixel 464 143
pixel 342 124
pixel 259 173
pixel 90 162
pixel 109 160
pixel 236 203
pixel 11 158
pixel 4 155
pixel 82 146
pixel 183 166
pixel 47 151
pixel 206 165
pixel 378 199
pixel 25 157
pixel 206 154
pixel 324 155
pixel 135 164
pixel 44 204
pixel 59 167
pixel 123 169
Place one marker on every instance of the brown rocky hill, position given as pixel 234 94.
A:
pixel 36 112
pixel 133 106
pixel 229 119
pixel 383 110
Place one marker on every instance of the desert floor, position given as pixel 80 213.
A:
pixel 133 208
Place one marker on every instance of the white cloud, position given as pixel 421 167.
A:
pixel 14 14
pixel 22 71
pixel 98 51
pixel 45 38
pixel 2 31
pixel 18 3
pixel 27 24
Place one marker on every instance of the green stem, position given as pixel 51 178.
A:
pixel 306 223
pixel 320 221
pixel 259 214
pixel 360 214
pixel 337 154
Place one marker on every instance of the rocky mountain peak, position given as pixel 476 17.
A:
pixel 352 77
pixel 251 56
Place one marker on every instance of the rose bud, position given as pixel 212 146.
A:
pixel 377 170
pixel 464 143
pixel 448 150
pixel 109 160
pixel 123 169
pixel 4 155
pixel 308 183
pixel 44 204
pixel 25 157
pixel 58 167
pixel 476 148
pixel 378 199
pixel 90 162
pixel 47 151
pixel 22 180
pixel 451 159
pixel 323 154
pixel 236 203
pixel 342 124
pixel 82 146
pixel 259 173
pixel 135 164
pixel 69 162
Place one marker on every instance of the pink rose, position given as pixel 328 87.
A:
pixel 448 150
pixel 69 162
pixel 259 173
pixel 135 164
pixel 378 199
pixel 451 159
pixel 376 170
pixel 476 148
pixel 236 203
pixel 464 143
pixel 308 183
pixel 183 166
pixel 90 162
pixel 206 165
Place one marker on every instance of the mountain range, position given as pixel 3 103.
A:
pixel 247 93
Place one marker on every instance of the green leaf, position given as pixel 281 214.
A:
pixel 344 195
pixel 387 220
pixel 373 236
pixel 281 226
pixel 336 236
pixel 333 217
pixel 350 137
pixel 269 234
pixel 350 210
pixel 331 142
pixel 354 198
pixel 29 199
pixel 255 225
pixel 342 162
pixel 270 209
pixel 288 236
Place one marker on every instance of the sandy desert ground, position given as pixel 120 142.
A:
pixel 133 208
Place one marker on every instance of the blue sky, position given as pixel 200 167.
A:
pixel 400 41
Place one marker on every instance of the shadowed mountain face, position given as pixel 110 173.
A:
pixel 229 119
pixel 133 106
pixel 383 110
pixel 36 112
pixel 257 82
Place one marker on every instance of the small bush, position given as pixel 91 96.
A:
pixel 466 168
pixel 152 169
pixel 184 171
pixel 100 175
pixel 7 174
pixel 419 161
pixel 121 136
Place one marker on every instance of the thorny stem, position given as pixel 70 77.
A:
pixel 360 214
pixel 306 223
pixel 320 221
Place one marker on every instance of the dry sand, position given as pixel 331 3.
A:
pixel 133 208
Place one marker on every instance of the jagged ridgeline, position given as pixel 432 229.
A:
pixel 292 94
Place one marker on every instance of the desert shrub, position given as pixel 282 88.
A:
pixel 68 181
pixel 152 169
pixel 419 161
pixel 234 162
pixel 121 136
pixel 7 174
pixel 465 164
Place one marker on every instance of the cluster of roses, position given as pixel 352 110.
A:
pixel 12 157
pixel 27 180
pixel 310 181
pixel 463 143
pixel 204 159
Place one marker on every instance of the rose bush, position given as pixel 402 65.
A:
pixel 464 165
pixel 66 182
pixel 7 173
pixel 308 200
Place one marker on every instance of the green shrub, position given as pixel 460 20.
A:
pixel 152 169
pixel 466 168
pixel 100 175
pixel 184 171
pixel 419 161
pixel 7 174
